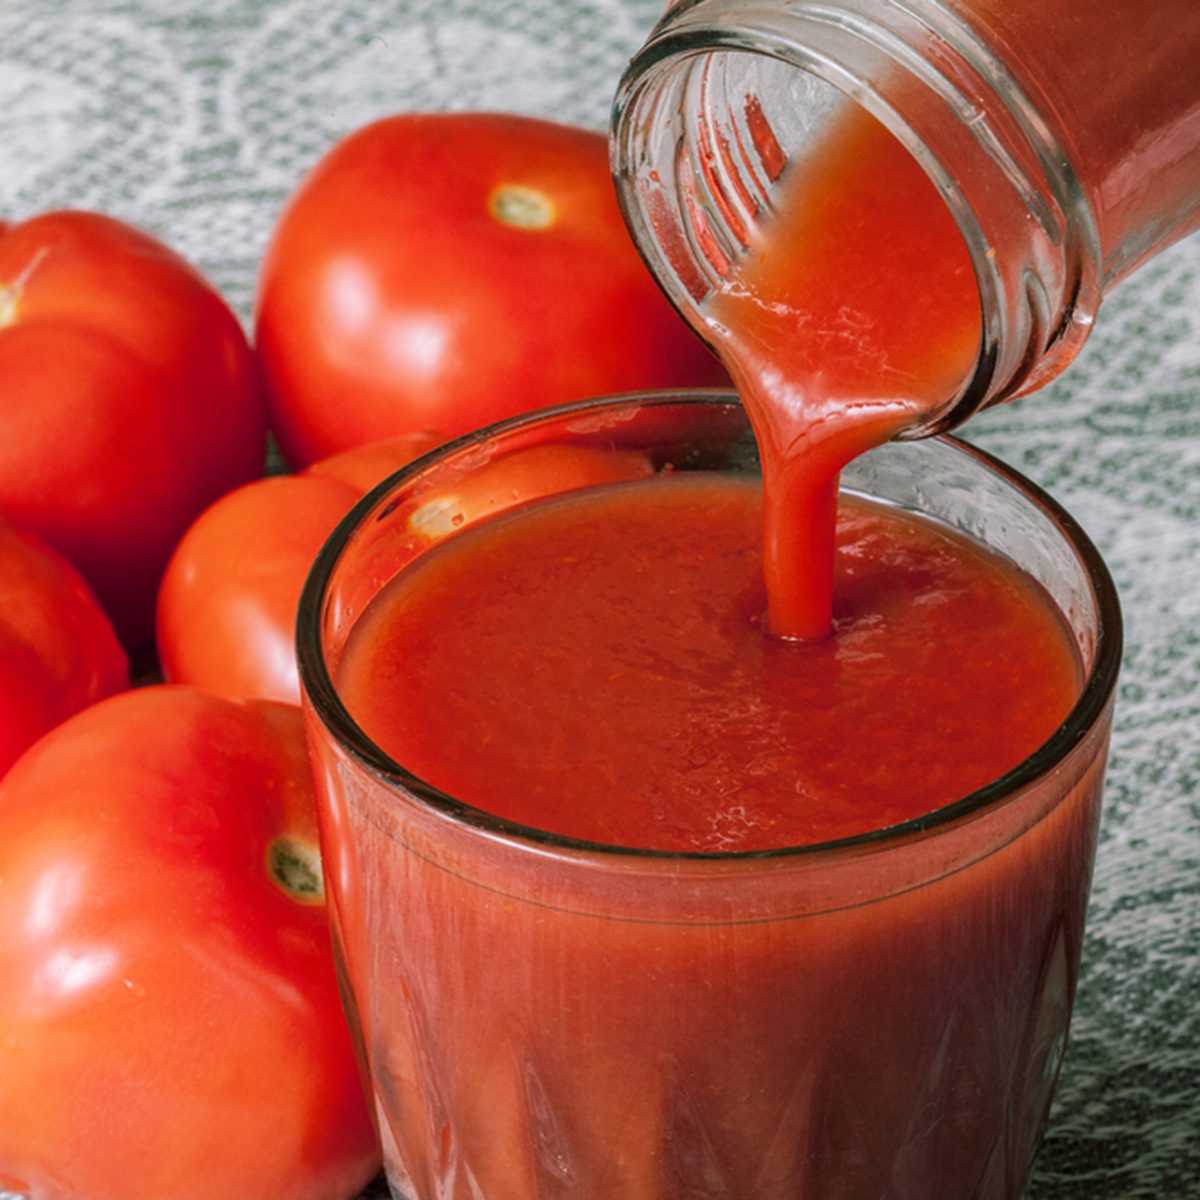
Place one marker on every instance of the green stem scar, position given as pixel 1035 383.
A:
pixel 295 868
pixel 522 207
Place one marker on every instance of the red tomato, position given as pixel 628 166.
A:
pixel 58 652
pixel 227 605
pixel 446 270
pixel 170 1025
pixel 131 401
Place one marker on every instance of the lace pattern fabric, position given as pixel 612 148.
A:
pixel 195 121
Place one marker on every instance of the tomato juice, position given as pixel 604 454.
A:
pixel 596 667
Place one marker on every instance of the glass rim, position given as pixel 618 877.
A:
pixel 319 692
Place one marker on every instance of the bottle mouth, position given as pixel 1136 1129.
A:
pixel 710 113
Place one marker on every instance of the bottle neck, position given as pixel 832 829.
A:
pixel 724 96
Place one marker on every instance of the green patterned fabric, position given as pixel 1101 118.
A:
pixel 195 120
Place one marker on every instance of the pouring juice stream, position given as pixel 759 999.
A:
pixel 853 315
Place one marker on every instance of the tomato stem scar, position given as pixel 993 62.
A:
pixel 522 207
pixel 295 868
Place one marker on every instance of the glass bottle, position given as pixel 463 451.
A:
pixel 1063 137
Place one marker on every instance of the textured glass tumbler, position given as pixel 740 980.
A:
pixel 543 1018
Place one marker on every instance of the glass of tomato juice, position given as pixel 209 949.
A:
pixel 619 1008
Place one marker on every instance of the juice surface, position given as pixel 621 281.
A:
pixel 595 666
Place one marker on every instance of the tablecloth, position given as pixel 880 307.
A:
pixel 195 120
